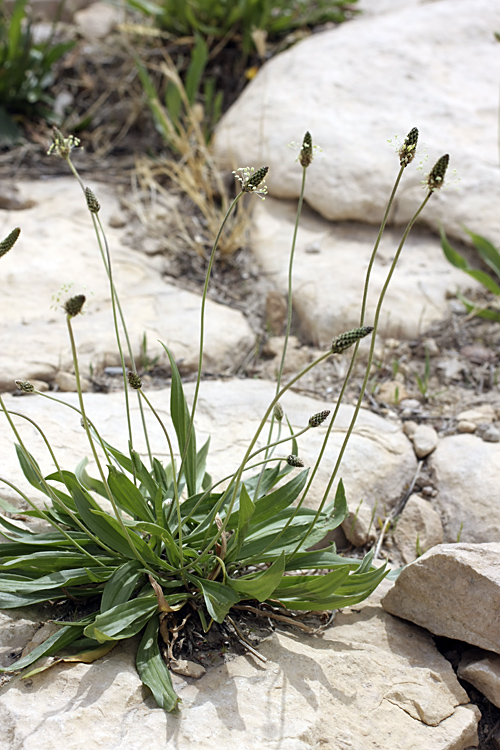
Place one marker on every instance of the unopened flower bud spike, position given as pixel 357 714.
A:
pixel 9 242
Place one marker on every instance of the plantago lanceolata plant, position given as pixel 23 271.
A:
pixel 175 544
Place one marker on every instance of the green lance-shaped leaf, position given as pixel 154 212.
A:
pixel 54 643
pixel 100 525
pixel 305 586
pixel 218 597
pixel 128 497
pixel 123 620
pixel 181 419
pixel 460 262
pixel 486 250
pixel 153 670
pixel 270 504
pixel 262 585
pixel 121 585
pixel 60 578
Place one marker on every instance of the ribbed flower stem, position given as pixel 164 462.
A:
pixel 92 446
pixel 202 329
pixel 116 306
pixel 368 367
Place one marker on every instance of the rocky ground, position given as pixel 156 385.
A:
pixel 421 468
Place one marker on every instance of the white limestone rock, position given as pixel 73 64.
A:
pixel 328 284
pixel 57 246
pixel 419 527
pixel 425 440
pixel 230 412
pixel 450 590
pixel 353 87
pixel 482 669
pixel 467 477
pixel 369 680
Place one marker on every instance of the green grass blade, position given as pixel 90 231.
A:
pixel 199 58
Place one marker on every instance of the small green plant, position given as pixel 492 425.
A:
pixel 146 362
pixel 26 69
pixel 423 382
pixel 223 21
pixel 490 255
pixel 176 543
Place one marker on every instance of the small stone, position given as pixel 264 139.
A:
pixel 360 526
pixel 477 354
pixel 391 392
pixel 188 668
pixel 117 221
pixel 430 346
pixel 425 440
pixel 418 529
pixel 451 369
pixel 483 413
pixel 428 491
pixel 66 381
pixel 482 669
pixel 97 21
pixel 488 433
pixel 409 428
pixel 465 426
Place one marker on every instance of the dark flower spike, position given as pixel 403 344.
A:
pixel 306 153
pixel 74 305
pixel 294 461
pixel 9 242
pixel 93 204
pixel 278 412
pixel 134 380
pixel 25 386
pixel 318 418
pixel 435 179
pixel 409 148
pixel 345 340
pixel 253 182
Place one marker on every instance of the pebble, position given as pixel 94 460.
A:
pixel 425 440
pixel 66 381
pixel 488 433
pixel 409 428
pixel 465 426
pixel 188 668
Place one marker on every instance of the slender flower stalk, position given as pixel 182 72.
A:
pixel 251 182
pixel 63 147
pixel 92 445
pixel 435 181
pixel 305 158
pixel 406 155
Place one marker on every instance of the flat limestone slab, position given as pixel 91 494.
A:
pixel 433 66
pixel 370 682
pixel 230 412
pixel 58 247
pixel 329 270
